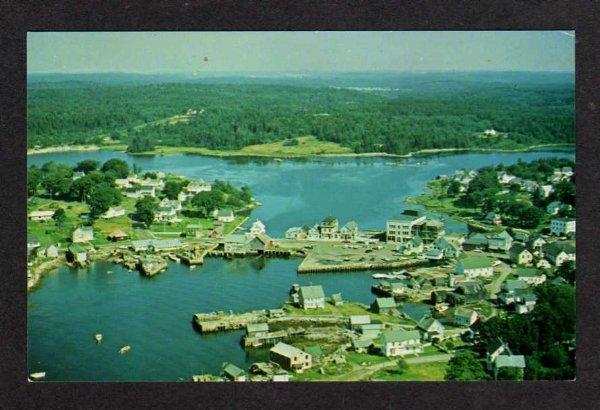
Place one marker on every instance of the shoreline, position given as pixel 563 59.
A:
pixel 239 154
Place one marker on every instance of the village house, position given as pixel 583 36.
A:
pixel 295 232
pixel 290 357
pixel 52 251
pixel 535 243
pixel 240 244
pixel 173 203
pixel 559 252
pixel 312 297
pixel 553 207
pixel 83 234
pixel 114 212
pixel 530 186
pixel 493 218
pixel 32 243
pixel 155 244
pixel 465 317
pixel 401 342
pixel 475 266
pixel 165 214
pixel 362 344
pixel 182 196
pixel 383 305
pixel 546 190
pixel 258 228
pixel 508 294
pixel 499 355
pixel 158 184
pixel 336 299
pixel 218 230
pixel 475 241
pixel 147 190
pixel 505 178
pixel 276 313
pixel 40 215
pixel 118 235
pixel 195 187
pixel 358 320
pixel 520 255
pixel 328 228
pixel 543 264
pixel 194 230
pixel 403 227
pixel 524 301
pixel 233 373
pixel 562 226
pixel 224 215
pixel 411 247
pixel 431 328
pixel 77 254
pixel 123 183
pixel 531 276
pixel 449 249
pixel 520 235
pixel 466 292
pixel 370 330
pixel 132 193
pixel 77 175
pixel 349 232
pixel 415 311
pixel 500 242
pixel 257 329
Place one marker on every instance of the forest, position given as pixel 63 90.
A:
pixel 445 114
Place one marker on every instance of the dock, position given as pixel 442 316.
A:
pixel 311 266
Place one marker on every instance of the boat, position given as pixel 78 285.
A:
pixel 37 375
pixel 174 257
pixel 124 349
pixel 380 276
pixel 98 338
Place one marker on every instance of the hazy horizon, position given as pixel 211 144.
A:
pixel 271 53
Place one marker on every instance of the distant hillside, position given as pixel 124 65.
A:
pixel 366 112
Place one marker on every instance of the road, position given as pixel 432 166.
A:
pixel 363 372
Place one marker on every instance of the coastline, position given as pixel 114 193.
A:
pixel 167 150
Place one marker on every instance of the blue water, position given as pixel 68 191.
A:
pixel 154 315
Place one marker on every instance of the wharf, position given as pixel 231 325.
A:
pixel 312 266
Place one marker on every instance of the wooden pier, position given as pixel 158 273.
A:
pixel 308 266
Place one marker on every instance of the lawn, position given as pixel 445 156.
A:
pixel 347 309
pixel 49 232
pixel 415 372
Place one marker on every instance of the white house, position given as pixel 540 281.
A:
pixel 258 228
pixel 40 215
pixel 546 190
pixel 195 187
pixel 475 266
pixel 562 226
pixel 83 234
pixel 401 342
pixel 465 317
pixel 553 207
pixel 224 215
pixel 123 183
pixel 312 297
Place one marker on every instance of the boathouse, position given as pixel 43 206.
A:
pixel 290 357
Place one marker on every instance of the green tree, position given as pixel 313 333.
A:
pixel 510 373
pixel 454 188
pixel 87 165
pixel 567 271
pixel 60 217
pixel 172 189
pixel 34 178
pixel 465 366
pixel 144 210
pixel 207 201
pixel 116 166
pixel 101 198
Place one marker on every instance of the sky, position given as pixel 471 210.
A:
pixel 269 52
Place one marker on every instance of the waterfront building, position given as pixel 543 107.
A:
pixel 562 226
pixel 403 227
pixel 52 251
pixel 78 254
pixel 520 255
pixel 290 357
pixel 195 187
pixel 258 228
pixel 257 329
pixel 349 232
pixel 32 243
pixel 82 234
pixel 474 266
pixel 401 342
pixel 312 297
pixel 336 299
pixel 40 215
pixel 383 305
pixel 328 228
pixel 233 373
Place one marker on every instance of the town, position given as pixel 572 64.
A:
pixel 433 301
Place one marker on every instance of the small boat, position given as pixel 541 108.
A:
pixel 37 375
pixel 379 276
pixel 174 257
pixel 98 338
pixel 124 349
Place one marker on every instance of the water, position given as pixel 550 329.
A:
pixel 154 315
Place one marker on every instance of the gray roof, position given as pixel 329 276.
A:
pixel 232 370
pixel 385 302
pixel 428 322
pixel 257 327
pixel 505 360
pixel 286 350
pixel 360 319
pixel 514 284
pixel 416 311
pixel 392 336
pixel 312 292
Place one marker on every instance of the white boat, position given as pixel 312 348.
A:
pixel 124 349
pixel 380 276
pixel 98 338
pixel 37 375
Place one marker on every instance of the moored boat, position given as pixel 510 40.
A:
pixel 124 349
pixel 37 375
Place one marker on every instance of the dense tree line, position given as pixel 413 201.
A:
pixel 234 116
pixel 222 195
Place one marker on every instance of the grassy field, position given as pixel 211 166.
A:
pixel 307 146
pixel 348 309
pixel 415 372
pixel 49 232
